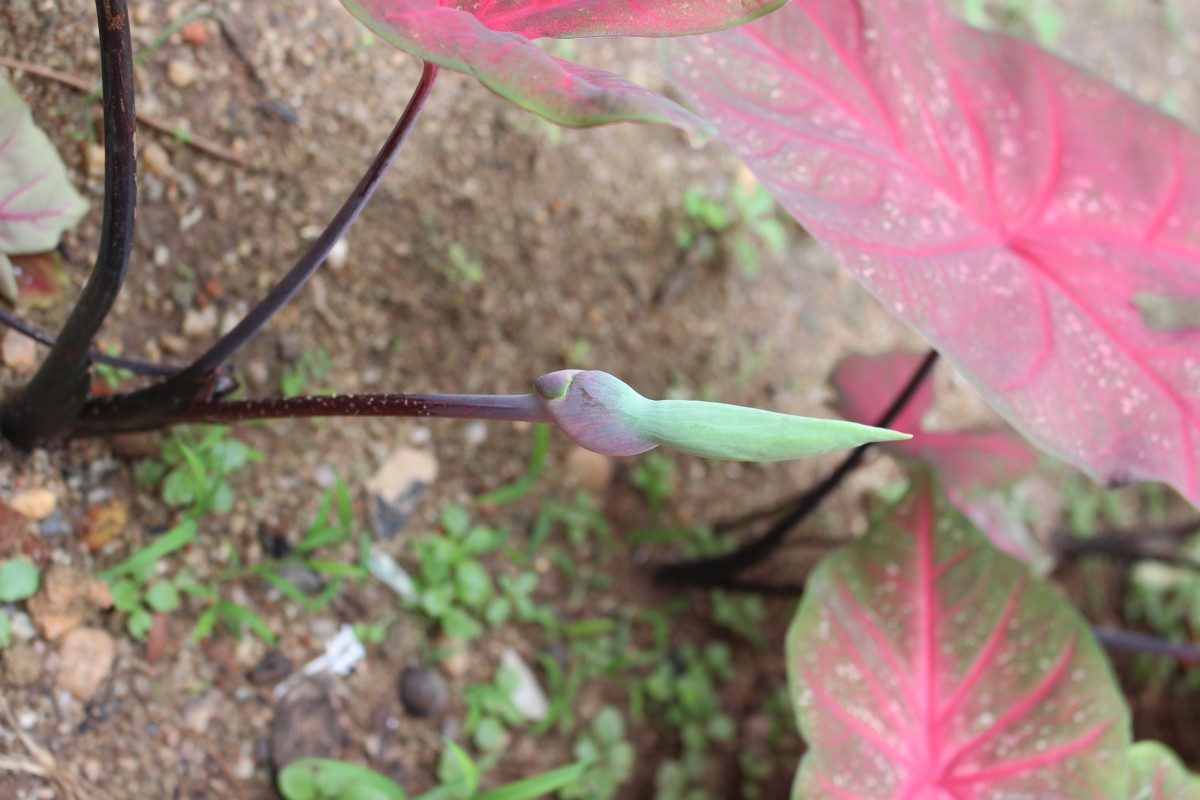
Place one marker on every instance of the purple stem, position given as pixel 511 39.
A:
pixel 133 365
pixel 504 407
pixel 1115 639
pixel 152 406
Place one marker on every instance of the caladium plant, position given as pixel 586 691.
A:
pixel 1032 222
pixel 1015 210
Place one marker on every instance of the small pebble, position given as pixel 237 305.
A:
pixel 397 487
pixel 22 665
pixel 35 504
pixel 456 663
pixel 258 373
pixel 182 74
pixel 19 353
pixel 199 324
pixel 55 525
pixel 195 33
pixel 338 255
pixel 155 160
pixel 243 768
pixel 86 658
pixel 527 696
pixel 589 470
pixel 93 770
pixel 173 344
pixel 271 669
pixel 94 161
pixel 423 692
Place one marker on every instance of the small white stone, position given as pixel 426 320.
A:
pixel 198 324
pixel 339 254
pixel 19 353
pixel 182 74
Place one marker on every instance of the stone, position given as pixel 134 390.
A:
pixel 306 725
pixel 67 598
pixel 93 157
pixel 19 353
pixel 591 471
pixel 155 160
pixel 258 373
pixel 423 692
pixel 339 255
pixel 271 669
pixel 456 660
pixel 22 665
pixel 306 580
pixel 171 343
pixel 384 568
pixel 56 525
pixel 199 713
pixel 93 770
pixel 105 522
pixel 182 74
pixel 85 659
pixel 200 323
pixel 34 504
pixel 527 696
pixel 397 487
pixel 195 33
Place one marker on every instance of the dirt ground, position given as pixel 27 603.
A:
pixel 574 236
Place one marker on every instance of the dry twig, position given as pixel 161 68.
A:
pixel 205 146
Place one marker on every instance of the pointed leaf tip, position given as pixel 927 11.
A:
pixel 603 414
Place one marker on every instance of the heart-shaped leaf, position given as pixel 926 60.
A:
pixel 1008 205
pixel 926 665
pixel 37 200
pixel 492 40
pixel 971 464
pixel 1158 774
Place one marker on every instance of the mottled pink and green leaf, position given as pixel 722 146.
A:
pixel 493 41
pixel 926 665
pixel 1156 773
pixel 1011 207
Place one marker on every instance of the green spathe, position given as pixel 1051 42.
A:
pixel 604 414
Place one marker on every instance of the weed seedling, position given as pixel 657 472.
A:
pixel 458 776
pixel 682 693
pixel 309 368
pixel 603 746
pixel 19 579
pixel 747 223
pixel 453 587
pixel 194 469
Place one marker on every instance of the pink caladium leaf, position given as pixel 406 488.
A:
pixel 969 461
pixel 926 665
pixel 971 464
pixel 1009 206
pixel 492 40
pixel 1158 774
